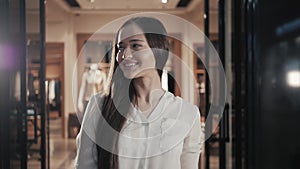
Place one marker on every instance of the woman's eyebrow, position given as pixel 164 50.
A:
pixel 130 41
pixel 136 40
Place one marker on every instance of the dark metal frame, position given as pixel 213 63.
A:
pixel 237 98
pixel 23 69
pixel 4 115
pixel 223 126
pixel 42 87
pixel 208 126
pixel 18 40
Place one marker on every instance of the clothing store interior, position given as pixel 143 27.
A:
pixel 55 55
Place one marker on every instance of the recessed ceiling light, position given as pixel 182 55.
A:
pixel 293 78
pixel 164 1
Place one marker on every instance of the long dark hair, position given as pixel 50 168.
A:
pixel 115 98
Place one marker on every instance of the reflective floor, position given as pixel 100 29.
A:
pixel 62 151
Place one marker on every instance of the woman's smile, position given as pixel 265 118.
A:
pixel 130 64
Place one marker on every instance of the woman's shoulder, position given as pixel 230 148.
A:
pixel 92 115
pixel 182 114
pixel 94 107
pixel 173 100
pixel 98 97
pixel 179 107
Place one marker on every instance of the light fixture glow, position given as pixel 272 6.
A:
pixel 164 1
pixel 293 78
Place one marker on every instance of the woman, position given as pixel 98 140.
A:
pixel 136 124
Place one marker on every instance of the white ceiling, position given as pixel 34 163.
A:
pixel 127 4
pixel 123 5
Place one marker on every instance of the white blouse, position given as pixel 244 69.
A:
pixel 169 138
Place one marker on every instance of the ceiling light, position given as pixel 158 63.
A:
pixel 293 78
pixel 92 1
pixel 164 1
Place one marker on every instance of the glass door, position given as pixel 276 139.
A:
pixel 216 84
pixel 13 136
pixel 22 121
pixel 268 84
pixel 37 115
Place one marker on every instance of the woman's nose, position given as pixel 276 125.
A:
pixel 127 53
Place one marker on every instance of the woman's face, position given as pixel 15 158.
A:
pixel 134 55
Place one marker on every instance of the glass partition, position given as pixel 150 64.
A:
pixel 21 72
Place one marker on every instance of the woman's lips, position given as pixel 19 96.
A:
pixel 130 65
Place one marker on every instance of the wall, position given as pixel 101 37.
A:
pixel 52 71
pixel 59 28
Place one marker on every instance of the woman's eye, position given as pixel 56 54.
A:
pixel 136 46
pixel 120 48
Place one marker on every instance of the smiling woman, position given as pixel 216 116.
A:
pixel 134 54
pixel 136 124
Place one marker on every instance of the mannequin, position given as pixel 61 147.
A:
pixel 93 82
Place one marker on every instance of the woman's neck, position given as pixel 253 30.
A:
pixel 148 92
pixel 145 85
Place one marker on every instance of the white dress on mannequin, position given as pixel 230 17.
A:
pixel 93 82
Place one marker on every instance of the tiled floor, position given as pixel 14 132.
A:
pixel 62 151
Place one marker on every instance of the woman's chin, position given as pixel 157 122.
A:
pixel 129 75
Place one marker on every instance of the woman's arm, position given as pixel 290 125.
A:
pixel 86 152
pixel 192 145
pixel 86 147
pixel 81 93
